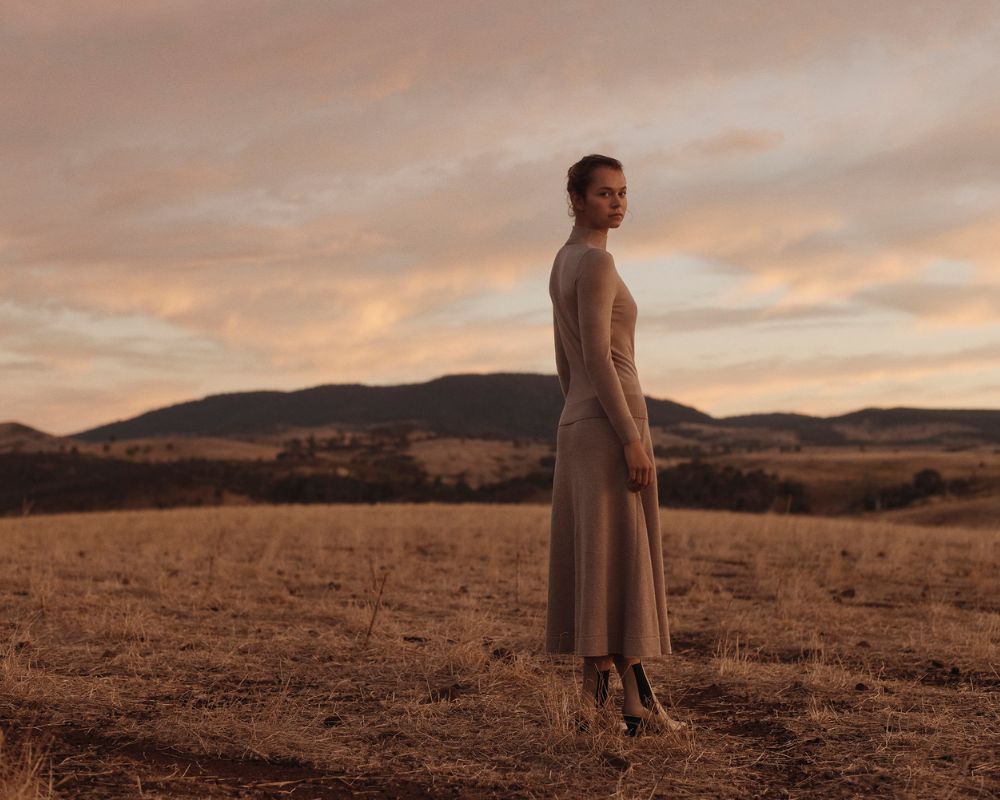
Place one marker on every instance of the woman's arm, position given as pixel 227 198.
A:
pixel 596 289
pixel 562 362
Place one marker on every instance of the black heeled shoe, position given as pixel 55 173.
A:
pixel 658 719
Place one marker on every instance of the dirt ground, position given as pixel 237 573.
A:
pixel 394 651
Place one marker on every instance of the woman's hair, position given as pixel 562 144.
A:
pixel 580 174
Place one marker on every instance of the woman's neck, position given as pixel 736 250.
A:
pixel 595 237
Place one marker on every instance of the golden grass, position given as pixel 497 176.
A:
pixel 395 650
pixel 22 771
pixel 477 461
pixel 834 475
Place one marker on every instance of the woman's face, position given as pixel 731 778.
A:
pixel 605 202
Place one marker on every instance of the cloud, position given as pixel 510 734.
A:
pixel 66 409
pixel 938 303
pixel 302 192
pixel 711 318
pixel 831 383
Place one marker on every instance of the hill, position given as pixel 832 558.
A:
pixel 498 405
pixel 491 438
pixel 899 426
pixel 15 438
pixel 527 406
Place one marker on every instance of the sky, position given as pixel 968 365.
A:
pixel 198 198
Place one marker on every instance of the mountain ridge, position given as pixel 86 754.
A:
pixel 509 404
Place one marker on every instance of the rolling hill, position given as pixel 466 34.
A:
pixel 498 405
pixel 515 406
pixel 487 438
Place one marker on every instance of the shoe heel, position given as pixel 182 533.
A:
pixel 660 721
pixel 633 724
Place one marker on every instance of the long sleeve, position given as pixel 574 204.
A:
pixel 562 362
pixel 596 289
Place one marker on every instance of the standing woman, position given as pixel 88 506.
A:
pixel 606 594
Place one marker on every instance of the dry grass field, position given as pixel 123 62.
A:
pixel 477 461
pixel 830 469
pixel 394 651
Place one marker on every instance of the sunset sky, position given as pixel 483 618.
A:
pixel 205 197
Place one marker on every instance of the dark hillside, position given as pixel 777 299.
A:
pixel 505 405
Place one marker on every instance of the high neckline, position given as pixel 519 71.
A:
pixel 595 237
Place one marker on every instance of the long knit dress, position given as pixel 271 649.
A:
pixel 606 591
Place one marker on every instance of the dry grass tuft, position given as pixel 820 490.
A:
pixel 24 771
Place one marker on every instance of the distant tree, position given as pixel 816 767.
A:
pixel 925 483
pixel 961 486
pixel 698 484
pixel 928 482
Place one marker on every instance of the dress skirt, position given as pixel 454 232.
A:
pixel 606 591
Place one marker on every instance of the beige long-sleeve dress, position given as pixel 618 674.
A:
pixel 606 591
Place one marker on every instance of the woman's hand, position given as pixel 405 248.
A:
pixel 641 470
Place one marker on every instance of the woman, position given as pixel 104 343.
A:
pixel 606 594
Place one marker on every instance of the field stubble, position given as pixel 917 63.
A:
pixel 320 651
